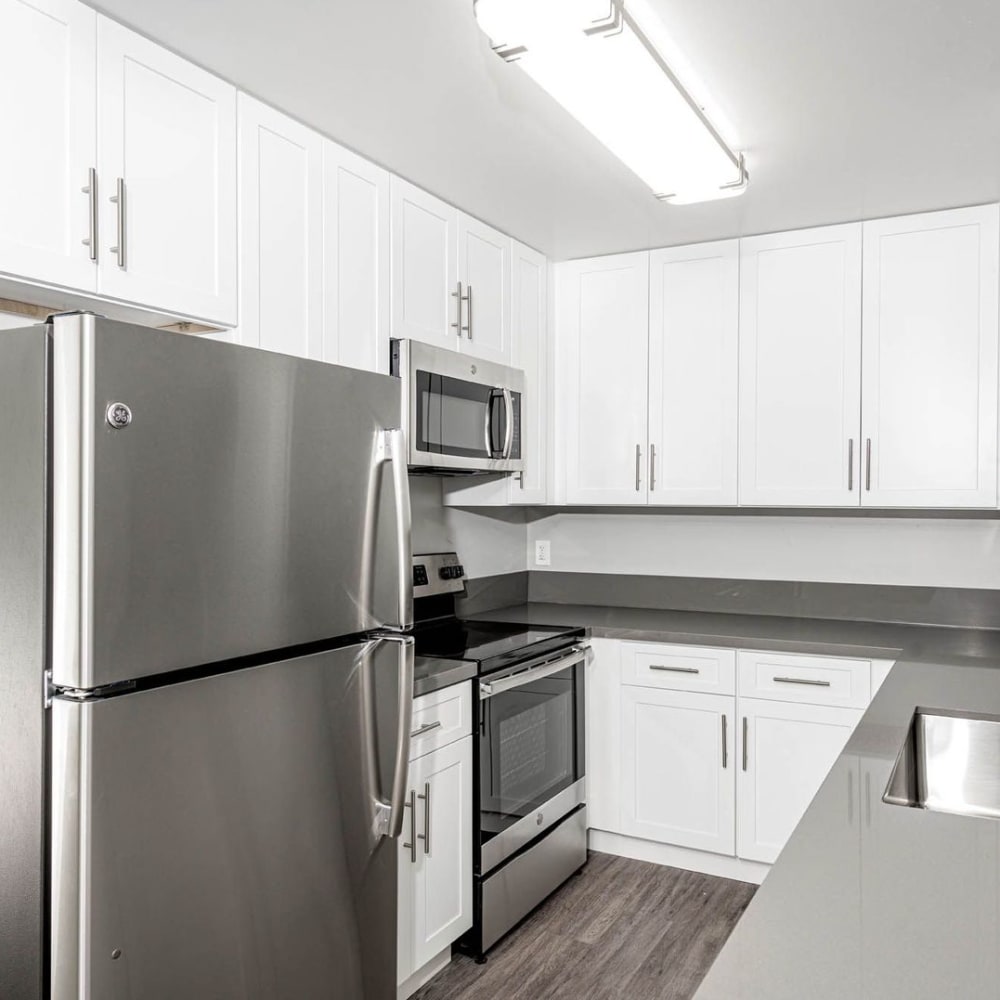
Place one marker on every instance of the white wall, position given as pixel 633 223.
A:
pixel 488 543
pixel 909 551
pixel 10 321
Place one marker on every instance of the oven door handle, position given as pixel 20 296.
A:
pixel 579 654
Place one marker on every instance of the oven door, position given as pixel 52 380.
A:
pixel 463 415
pixel 531 753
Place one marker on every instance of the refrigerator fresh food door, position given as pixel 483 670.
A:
pixel 228 837
pixel 212 501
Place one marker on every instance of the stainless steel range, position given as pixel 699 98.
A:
pixel 530 822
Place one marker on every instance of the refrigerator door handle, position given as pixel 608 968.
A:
pixel 396 440
pixel 390 814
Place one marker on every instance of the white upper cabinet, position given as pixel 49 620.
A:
pixel 484 257
pixel 281 250
pixel 425 301
pixel 167 142
pixel 356 260
pixel 48 77
pixel 529 352
pixel 800 368
pixel 693 374
pixel 602 333
pixel 930 359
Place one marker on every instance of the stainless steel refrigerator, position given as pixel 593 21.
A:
pixel 205 675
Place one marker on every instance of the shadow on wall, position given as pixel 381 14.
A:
pixel 489 540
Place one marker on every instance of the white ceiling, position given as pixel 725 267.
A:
pixel 846 110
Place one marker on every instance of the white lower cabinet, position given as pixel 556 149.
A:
pixel 786 750
pixel 435 850
pixel 677 768
pixel 678 755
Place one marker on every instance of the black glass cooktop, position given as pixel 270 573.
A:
pixel 491 644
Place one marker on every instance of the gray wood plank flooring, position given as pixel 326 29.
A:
pixel 621 929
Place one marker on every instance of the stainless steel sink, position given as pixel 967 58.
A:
pixel 950 763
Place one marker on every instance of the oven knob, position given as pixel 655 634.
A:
pixel 539 819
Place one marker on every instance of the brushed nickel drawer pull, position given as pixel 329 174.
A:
pixel 674 670
pixel 746 727
pixel 801 680
pixel 725 742
pixel 425 728
pixel 638 461
pixel 868 464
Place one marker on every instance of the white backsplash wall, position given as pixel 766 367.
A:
pixel 941 552
pixel 488 543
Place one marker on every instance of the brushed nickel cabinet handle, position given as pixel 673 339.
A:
pixel 426 835
pixel 801 680
pixel 90 189
pixel 425 728
pixel 468 311
pixel 746 728
pixel 675 670
pixel 457 327
pixel 652 467
pixel 638 466
pixel 412 845
pixel 850 464
pixel 868 463
pixel 725 742
pixel 118 199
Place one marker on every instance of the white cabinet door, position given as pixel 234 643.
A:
pixel 425 304
pixel 800 368
pixel 435 876
pixel 530 347
pixel 48 79
pixel 356 261
pixel 603 729
pixel 167 132
pixel 693 374
pixel 930 359
pixel 786 751
pixel 678 766
pixel 602 333
pixel 281 250
pixel 484 271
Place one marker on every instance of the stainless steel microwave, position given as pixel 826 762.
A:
pixel 462 416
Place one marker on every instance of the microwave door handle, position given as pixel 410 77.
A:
pixel 488 424
pixel 508 403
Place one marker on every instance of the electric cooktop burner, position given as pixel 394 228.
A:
pixel 482 641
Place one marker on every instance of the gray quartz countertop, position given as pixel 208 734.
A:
pixel 430 674
pixel 868 900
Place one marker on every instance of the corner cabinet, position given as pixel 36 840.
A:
pixel 281 248
pixel 167 179
pixel 48 73
pixel 693 374
pixel 800 368
pixel 929 391
pixel 602 357
pixel 435 850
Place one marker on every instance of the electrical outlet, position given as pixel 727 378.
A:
pixel 543 553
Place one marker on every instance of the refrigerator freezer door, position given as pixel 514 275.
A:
pixel 212 501
pixel 218 837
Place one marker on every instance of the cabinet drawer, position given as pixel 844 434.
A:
pixel 812 680
pixel 679 668
pixel 440 718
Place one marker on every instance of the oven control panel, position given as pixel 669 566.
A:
pixel 437 573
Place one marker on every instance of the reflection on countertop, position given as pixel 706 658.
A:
pixel 867 900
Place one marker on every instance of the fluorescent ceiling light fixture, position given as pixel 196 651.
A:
pixel 592 57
